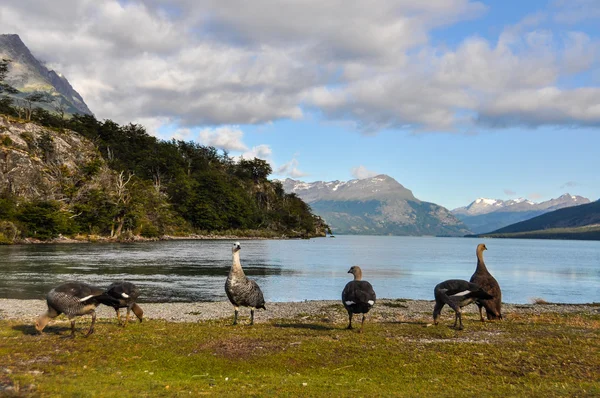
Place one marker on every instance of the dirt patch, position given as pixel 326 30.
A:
pixel 240 348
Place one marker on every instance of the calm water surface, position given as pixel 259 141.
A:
pixel 296 270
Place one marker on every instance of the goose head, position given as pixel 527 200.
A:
pixel 236 247
pixel 41 322
pixel 356 271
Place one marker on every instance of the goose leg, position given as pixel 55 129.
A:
pixel 91 330
pixel 437 310
pixel 349 320
pixel 362 323
pixel 127 317
pixel 480 312
pixel 459 317
pixel 252 316
pixel 118 315
pixel 72 335
pixel 235 315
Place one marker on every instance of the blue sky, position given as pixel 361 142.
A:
pixel 455 99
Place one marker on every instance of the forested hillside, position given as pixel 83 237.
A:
pixel 79 175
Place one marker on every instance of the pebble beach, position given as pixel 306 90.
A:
pixel 330 311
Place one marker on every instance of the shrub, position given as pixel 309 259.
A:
pixel 45 220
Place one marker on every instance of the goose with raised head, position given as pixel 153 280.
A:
pixel 241 291
pixel 73 299
pixel 126 294
pixel 358 296
pixel 483 278
pixel 456 293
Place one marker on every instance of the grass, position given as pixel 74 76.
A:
pixel 545 355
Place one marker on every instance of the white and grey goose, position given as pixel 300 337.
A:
pixel 73 299
pixel 358 296
pixel 241 291
pixel 457 293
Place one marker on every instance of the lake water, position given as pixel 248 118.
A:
pixel 296 270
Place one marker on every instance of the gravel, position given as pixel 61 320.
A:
pixel 331 311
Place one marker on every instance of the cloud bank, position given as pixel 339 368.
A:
pixel 374 65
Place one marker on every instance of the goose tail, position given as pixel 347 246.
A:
pixel 107 299
pixel 481 294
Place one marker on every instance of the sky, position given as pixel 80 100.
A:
pixel 455 99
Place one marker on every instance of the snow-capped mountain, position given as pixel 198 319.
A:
pixel 484 215
pixel 378 187
pixel 375 206
pixel 485 205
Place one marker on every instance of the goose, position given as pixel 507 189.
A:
pixel 241 291
pixel 358 296
pixel 126 294
pixel 483 278
pixel 457 293
pixel 73 299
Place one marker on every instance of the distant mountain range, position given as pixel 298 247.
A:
pixel 577 222
pixel 375 206
pixel 29 75
pixel 485 215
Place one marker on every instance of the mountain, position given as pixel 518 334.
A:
pixel 28 75
pixel 576 222
pixel 484 215
pixel 375 206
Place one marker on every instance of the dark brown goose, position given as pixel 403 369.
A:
pixel 456 293
pixel 483 278
pixel 126 293
pixel 358 296
pixel 241 291
pixel 73 299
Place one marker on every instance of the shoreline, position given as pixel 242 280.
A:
pixel 141 239
pixel 330 311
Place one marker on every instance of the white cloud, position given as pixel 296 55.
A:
pixel 263 152
pixel 228 138
pixel 290 169
pixel 373 66
pixel 361 172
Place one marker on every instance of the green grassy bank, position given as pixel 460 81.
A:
pixel 544 355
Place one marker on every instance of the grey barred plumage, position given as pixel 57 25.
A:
pixel 241 291
pixel 456 293
pixel 358 296
pixel 73 299
pixel 483 278
pixel 126 294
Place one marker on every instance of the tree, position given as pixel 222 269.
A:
pixel 257 169
pixel 29 100
pixel 5 87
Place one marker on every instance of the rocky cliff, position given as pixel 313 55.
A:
pixel 27 74
pixel 36 163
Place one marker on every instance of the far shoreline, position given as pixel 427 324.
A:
pixel 141 239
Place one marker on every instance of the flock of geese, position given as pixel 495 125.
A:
pixel 77 298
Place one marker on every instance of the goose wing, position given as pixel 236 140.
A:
pixel 358 292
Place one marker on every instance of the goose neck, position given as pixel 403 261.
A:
pixel 480 263
pixel 357 275
pixel 236 267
